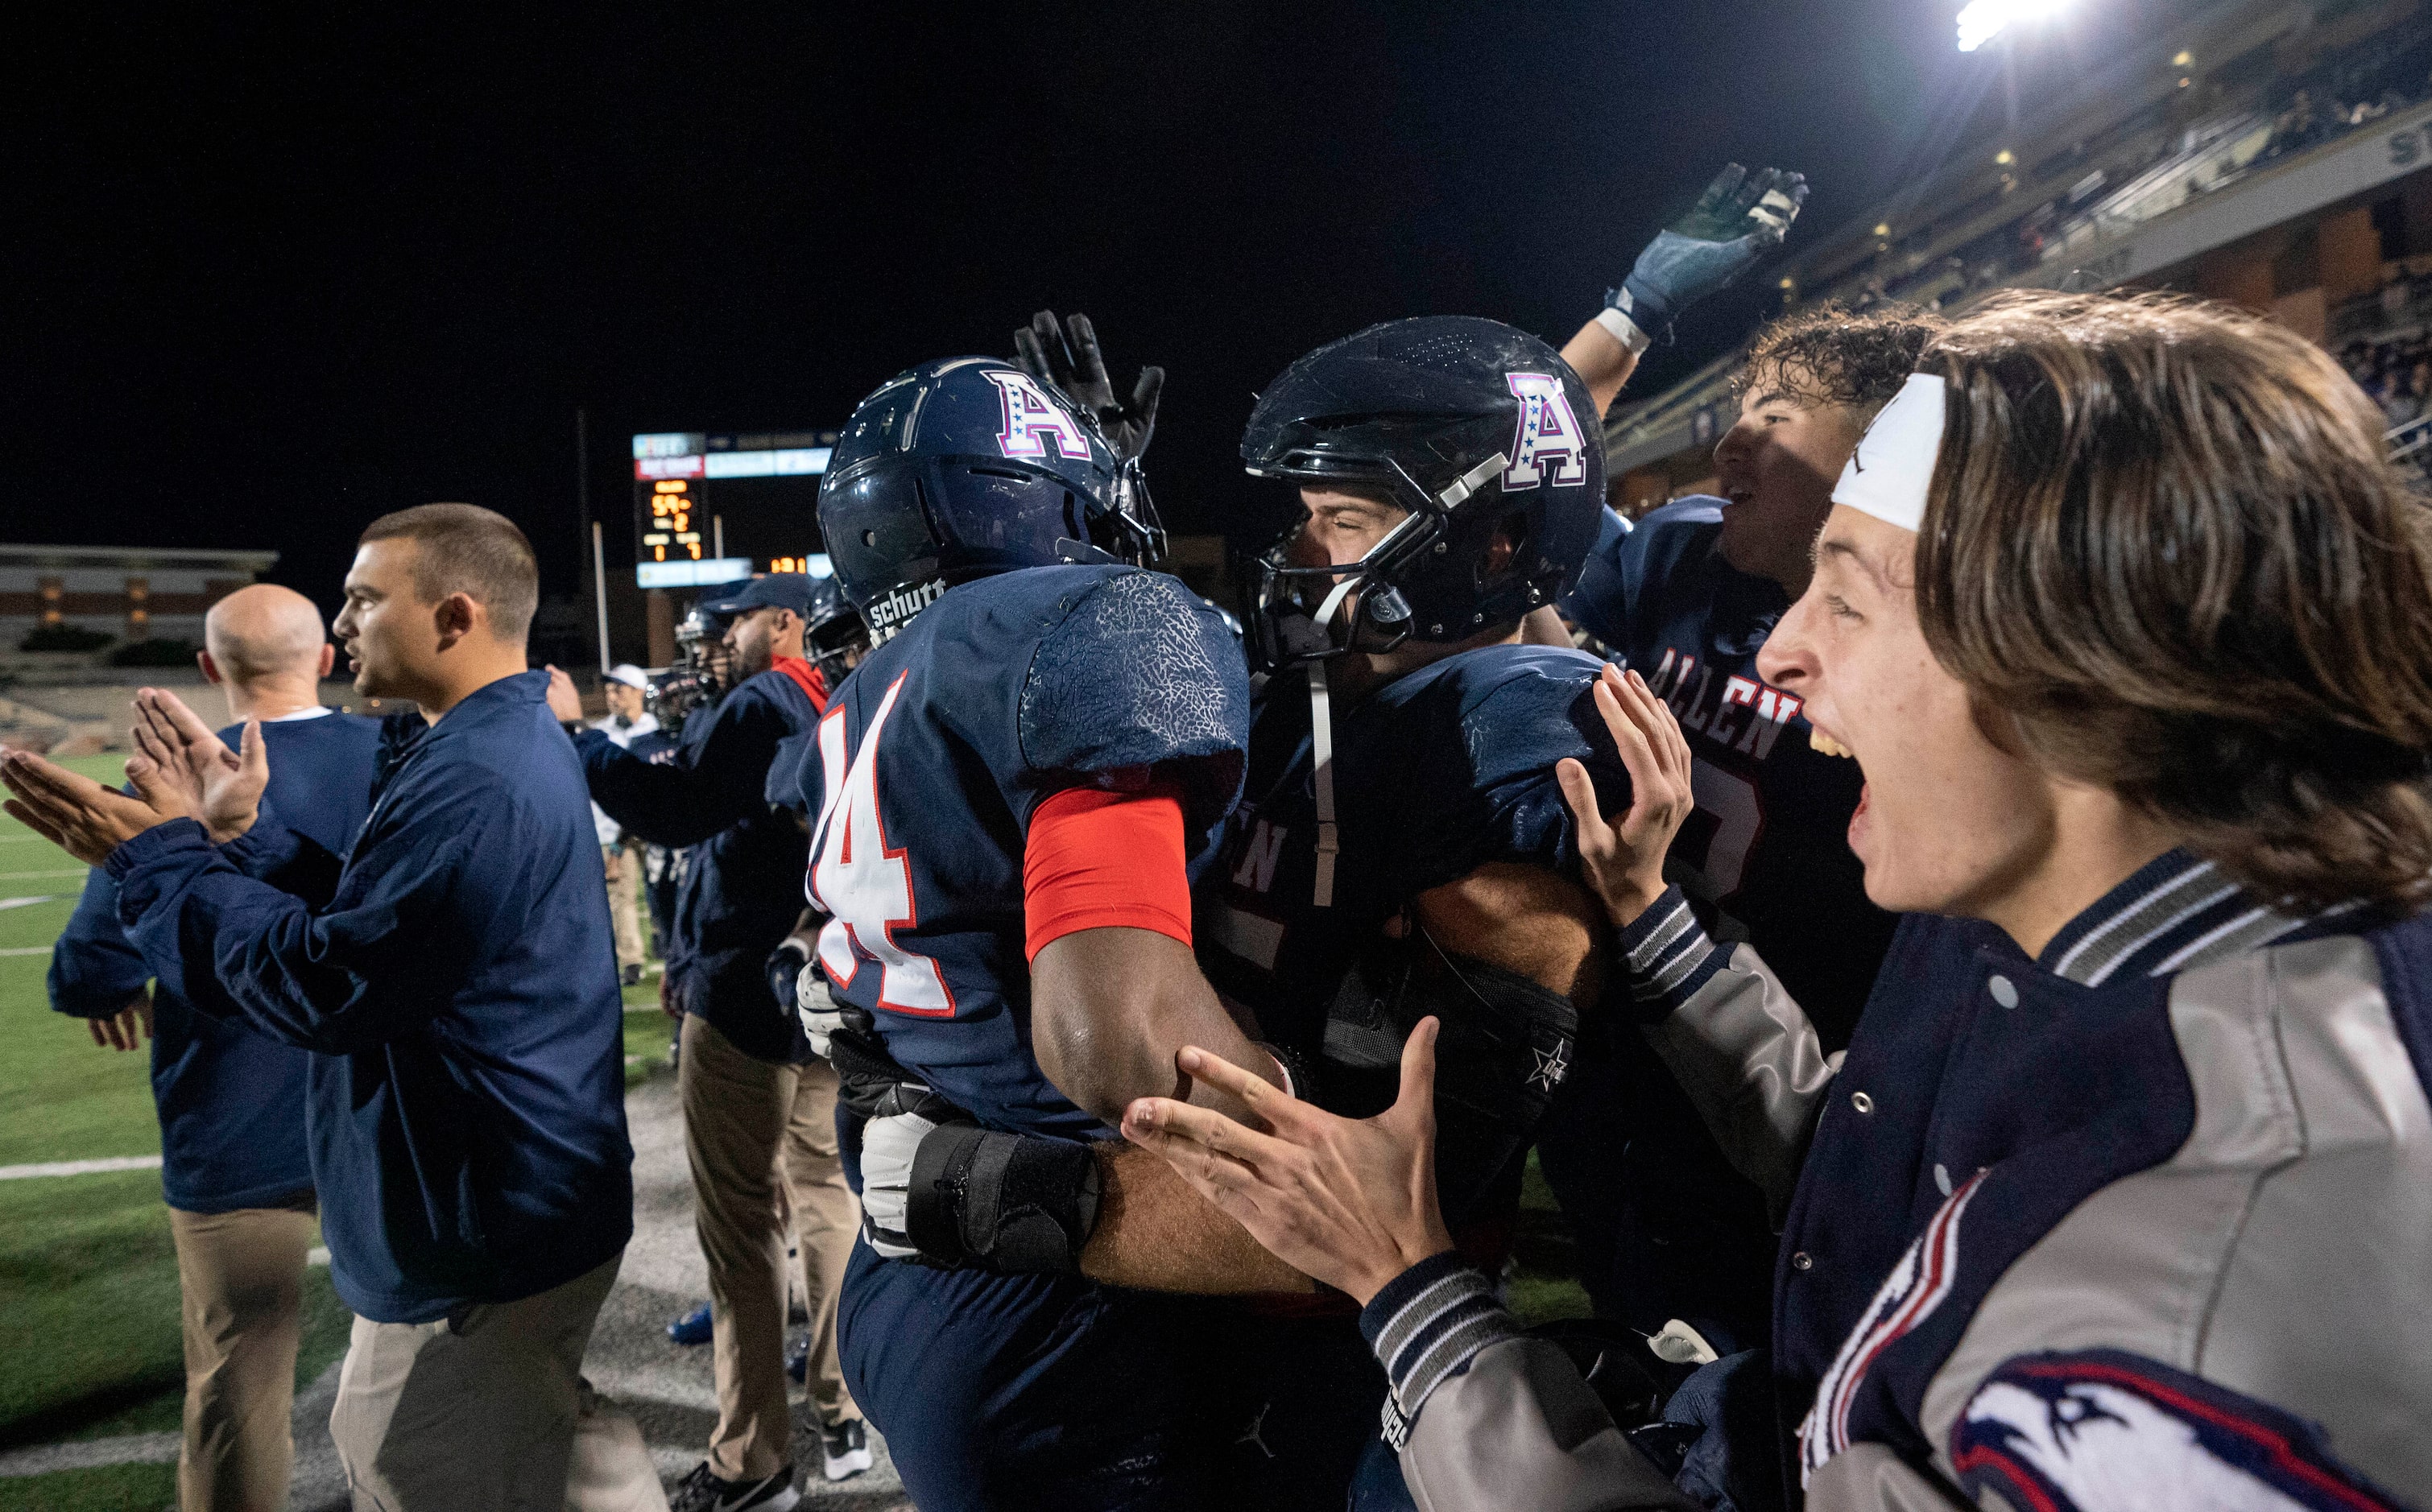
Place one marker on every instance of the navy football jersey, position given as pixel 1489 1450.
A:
pixel 1436 774
pixel 1766 857
pixel 934 755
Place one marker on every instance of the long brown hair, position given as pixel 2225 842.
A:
pixel 2164 544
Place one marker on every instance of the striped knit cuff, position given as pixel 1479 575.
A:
pixel 1426 1325
pixel 1668 956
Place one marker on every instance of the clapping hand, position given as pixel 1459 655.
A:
pixel 73 811
pixel 1067 357
pixel 182 769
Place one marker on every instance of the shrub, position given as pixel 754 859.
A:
pixel 163 652
pixel 63 637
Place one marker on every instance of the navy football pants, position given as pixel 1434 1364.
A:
pixel 1032 1391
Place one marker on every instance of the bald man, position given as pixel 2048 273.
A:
pixel 230 1102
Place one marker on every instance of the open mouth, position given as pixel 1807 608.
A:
pixel 1824 745
pixel 1738 496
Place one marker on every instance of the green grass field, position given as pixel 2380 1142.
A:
pixel 88 1331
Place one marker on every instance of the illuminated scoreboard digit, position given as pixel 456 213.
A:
pixel 765 513
pixel 671 523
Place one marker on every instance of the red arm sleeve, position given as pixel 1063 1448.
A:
pixel 1096 859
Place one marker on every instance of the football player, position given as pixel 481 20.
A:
pixel 1403 847
pixel 1686 599
pixel 1013 778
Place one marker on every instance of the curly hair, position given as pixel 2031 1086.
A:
pixel 2165 543
pixel 1830 354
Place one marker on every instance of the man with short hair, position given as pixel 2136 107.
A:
pixel 454 973
pixel 233 1164
pixel 625 722
pixel 755 1099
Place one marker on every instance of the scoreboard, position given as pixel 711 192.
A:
pixel 711 507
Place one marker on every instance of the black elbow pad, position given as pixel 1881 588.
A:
pixel 1010 1203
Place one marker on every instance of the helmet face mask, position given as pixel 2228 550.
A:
pixel 962 468
pixel 1469 426
pixel 833 637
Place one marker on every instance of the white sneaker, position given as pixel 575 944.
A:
pixel 845 1446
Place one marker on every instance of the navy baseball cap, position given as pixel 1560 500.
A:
pixel 777 590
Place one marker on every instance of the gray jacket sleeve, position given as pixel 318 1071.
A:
pixel 1739 1046
pixel 1486 1418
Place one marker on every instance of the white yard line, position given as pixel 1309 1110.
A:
pixel 26 950
pixel 41 876
pixel 80 1168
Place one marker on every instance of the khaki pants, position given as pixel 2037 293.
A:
pixel 745 1119
pixel 241 1284
pixel 624 867
pixel 489 1413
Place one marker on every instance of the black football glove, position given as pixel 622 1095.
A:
pixel 1067 357
pixel 1740 217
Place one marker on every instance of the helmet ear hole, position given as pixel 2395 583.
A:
pixel 1504 549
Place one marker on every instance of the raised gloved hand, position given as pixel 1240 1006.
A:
pixel 1740 217
pixel 1067 357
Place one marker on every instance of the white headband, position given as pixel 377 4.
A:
pixel 1889 475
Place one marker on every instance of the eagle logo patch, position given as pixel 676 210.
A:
pixel 2105 1430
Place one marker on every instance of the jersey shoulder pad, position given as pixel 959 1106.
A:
pixel 1138 671
pixel 1627 558
pixel 1472 749
pixel 1681 533
pixel 1523 708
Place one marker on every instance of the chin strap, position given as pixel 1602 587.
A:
pixel 1321 741
pixel 1320 724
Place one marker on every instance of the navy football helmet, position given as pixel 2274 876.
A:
pixel 834 636
pixel 969 467
pixel 1483 432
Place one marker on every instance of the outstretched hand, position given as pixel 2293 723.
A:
pixel 73 811
pixel 182 768
pixel 1067 357
pixel 1623 864
pixel 1351 1202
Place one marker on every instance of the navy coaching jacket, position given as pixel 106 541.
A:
pixel 456 974
pixel 742 887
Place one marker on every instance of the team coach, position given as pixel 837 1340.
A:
pixel 456 975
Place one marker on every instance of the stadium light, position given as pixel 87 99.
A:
pixel 1981 21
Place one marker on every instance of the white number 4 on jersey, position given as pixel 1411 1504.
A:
pixel 864 886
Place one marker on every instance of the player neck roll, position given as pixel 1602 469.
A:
pixel 1890 473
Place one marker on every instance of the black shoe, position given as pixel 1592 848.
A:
pixel 703 1492
pixel 798 1361
pixel 845 1446
pixel 629 977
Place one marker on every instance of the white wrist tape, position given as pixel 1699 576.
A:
pixel 1624 329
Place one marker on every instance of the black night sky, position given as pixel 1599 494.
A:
pixel 273 274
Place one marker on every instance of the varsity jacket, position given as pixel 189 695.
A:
pixel 2148 1219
